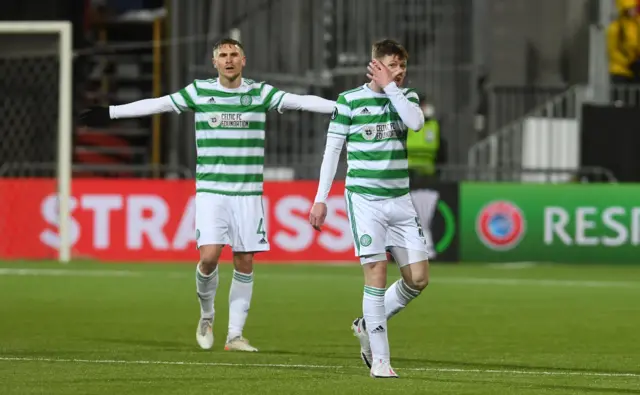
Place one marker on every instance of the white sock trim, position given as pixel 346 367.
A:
pixel 242 277
pixel 205 276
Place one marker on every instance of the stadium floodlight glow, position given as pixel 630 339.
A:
pixel 63 30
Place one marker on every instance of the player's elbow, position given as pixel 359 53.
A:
pixel 328 106
pixel 416 123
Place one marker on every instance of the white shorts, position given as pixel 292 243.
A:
pixel 378 225
pixel 237 221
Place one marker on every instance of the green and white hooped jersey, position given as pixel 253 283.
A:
pixel 376 142
pixel 230 130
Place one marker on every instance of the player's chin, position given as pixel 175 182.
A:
pixel 231 74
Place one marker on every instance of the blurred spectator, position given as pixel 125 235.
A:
pixel 482 109
pixel 623 47
pixel 424 147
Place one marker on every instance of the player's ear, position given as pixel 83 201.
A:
pixel 244 61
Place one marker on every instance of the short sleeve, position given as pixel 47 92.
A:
pixel 185 98
pixel 271 97
pixel 340 118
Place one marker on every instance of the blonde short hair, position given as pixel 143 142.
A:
pixel 227 41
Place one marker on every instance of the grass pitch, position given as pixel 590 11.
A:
pixel 87 328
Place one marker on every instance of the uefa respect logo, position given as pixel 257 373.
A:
pixel 500 225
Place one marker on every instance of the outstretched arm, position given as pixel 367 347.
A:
pixel 291 101
pixel 143 108
pixel 275 99
pixel 183 100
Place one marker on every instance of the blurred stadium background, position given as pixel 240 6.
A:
pixel 533 206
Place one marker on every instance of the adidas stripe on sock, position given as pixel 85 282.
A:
pixel 397 297
pixel 376 321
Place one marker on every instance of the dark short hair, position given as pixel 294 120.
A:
pixel 227 41
pixel 386 47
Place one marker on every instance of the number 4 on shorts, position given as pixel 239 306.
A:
pixel 420 232
pixel 261 232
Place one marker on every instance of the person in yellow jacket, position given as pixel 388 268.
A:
pixel 424 145
pixel 623 44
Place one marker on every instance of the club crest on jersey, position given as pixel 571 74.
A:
pixel 246 100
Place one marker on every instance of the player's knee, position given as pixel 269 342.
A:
pixel 419 281
pixel 208 263
pixel 243 262
pixel 375 270
pixel 378 270
pixel 209 255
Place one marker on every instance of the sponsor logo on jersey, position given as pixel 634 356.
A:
pixel 382 131
pixel 227 120
pixel 369 133
pixel 500 225
pixel 385 131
